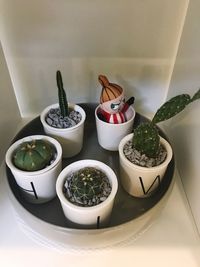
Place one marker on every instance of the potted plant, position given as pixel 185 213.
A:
pixel 114 117
pixel 64 122
pixel 35 162
pixel 144 155
pixel 86 190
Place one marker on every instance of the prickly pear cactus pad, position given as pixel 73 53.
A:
pixel 146 137
pixel 87 187
pixel 34 155
pixel 196 96
pixel 174 106
pixel 171 108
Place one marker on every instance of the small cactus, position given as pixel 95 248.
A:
pixel 146 137
pixel 87 187
pixel 63 104
pixel 34 155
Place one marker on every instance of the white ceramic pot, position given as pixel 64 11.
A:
pixel 36 186
pixel 87 216
pixel 71 139
pixel 109 135
pixel 141 181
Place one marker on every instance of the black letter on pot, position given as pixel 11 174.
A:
pixel 143 189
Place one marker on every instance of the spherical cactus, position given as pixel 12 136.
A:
pixel 34 155
pixel 87 182
pixel 87 187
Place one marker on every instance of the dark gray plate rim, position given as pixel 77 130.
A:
pixel 126 208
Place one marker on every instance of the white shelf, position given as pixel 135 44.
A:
pixel 172 240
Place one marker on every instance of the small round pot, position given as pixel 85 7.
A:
pixel 71 139
pixel 89 217
pixel 36 186
pixel 109 135
pixel 142 181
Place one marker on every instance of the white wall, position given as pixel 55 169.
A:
pixel 9 112
pixel 131 41
pixel 185 128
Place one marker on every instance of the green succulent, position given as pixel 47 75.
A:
pixel 34 155
pixel 146 137
pixel 63 104
pixel 87 183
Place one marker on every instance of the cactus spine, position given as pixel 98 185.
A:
pixel 146 137
pixel 34 155
pixel 63 104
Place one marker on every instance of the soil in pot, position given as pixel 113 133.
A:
pixel 56 120
pixel 87 187
pixel 136 157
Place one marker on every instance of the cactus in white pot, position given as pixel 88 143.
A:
pixel 64 121
pixel 33 155
pixel 87 187
pixel 146 138
pixel 86 190
pixel 35 162
pixel 144 155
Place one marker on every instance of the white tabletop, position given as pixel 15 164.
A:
pixel 172 240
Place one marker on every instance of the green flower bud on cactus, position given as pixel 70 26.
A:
pixel 63 104
pixel 87 183
pixel 34 155
pixel 146 139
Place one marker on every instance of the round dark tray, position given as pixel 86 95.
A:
pixel 126 207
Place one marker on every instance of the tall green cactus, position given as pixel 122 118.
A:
pixel 34 155
pixel 146 137
pixel 63 104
